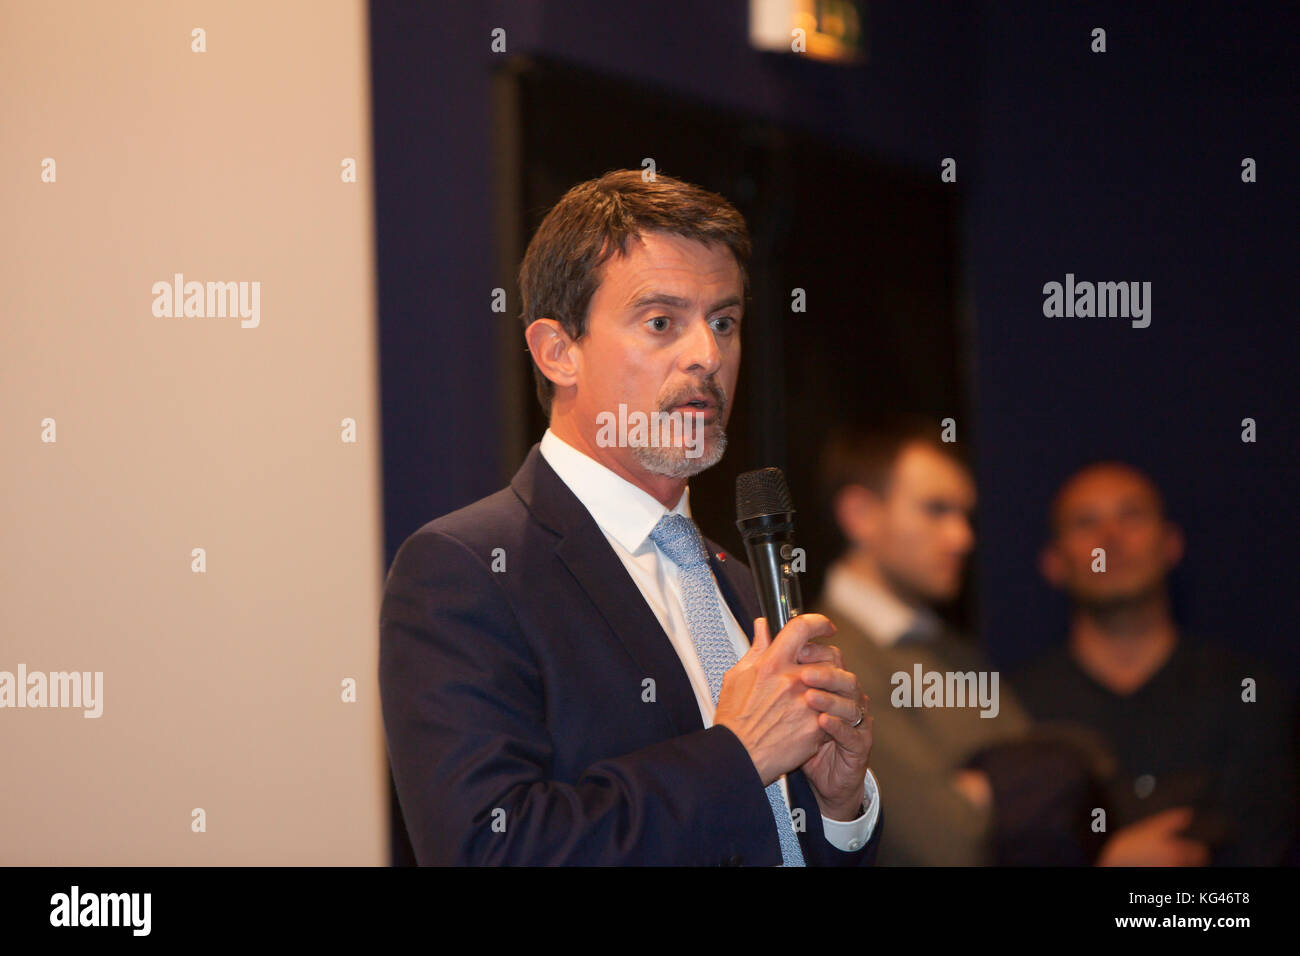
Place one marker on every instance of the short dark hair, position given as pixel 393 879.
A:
pixel 562 268
pixel 865 454
pixel 857 453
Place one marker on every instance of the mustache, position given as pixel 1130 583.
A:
pixel 710 389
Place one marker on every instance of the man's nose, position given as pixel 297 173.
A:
pixel 1110 532
pixel 700 349
pixel 964 534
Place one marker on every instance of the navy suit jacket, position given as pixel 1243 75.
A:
pixel 522 724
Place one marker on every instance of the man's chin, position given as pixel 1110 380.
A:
pixel 919 593
pixel 1115 601
pixel 674 462
pixel 944 594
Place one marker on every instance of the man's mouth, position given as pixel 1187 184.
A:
pixel 698 404
pixel 701 407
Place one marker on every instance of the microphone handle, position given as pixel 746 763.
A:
pixel 770 551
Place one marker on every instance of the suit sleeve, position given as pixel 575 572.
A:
pixel 465 714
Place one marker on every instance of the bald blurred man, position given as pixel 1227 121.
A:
pixel 1205 771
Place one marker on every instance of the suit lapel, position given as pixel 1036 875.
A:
pixel 586 553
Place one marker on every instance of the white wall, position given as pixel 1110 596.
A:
pixel 222 689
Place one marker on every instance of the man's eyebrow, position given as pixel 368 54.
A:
pixel 677 302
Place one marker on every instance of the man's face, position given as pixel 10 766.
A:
pixel 923 534
pixel 1117 510
pixel 663 329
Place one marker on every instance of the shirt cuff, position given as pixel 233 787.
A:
pixel 851 835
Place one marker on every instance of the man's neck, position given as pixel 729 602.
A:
pixel 1122 648
pixel 667 491
pixel 864 567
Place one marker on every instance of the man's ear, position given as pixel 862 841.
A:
pixel 1174 545
pixel 857 512
pixel 552 350
pixel 1051 565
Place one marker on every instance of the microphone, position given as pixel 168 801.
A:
pixel 765 518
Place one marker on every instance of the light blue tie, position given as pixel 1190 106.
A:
pixel 678 538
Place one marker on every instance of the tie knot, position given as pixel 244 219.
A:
pixel 678 538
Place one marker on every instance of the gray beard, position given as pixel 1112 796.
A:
pixel 672 462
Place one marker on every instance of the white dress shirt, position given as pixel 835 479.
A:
pixel 626 515
pixel 876 611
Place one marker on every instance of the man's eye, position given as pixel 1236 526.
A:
pixel 728 322
pixel 661 318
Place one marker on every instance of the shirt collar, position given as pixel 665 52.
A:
pixel 875 610
pixel 622 510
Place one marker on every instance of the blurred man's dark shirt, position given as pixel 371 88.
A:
pixel 1187 738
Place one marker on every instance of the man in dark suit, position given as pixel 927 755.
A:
pixel 570 672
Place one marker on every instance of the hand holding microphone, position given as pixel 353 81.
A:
pixel 789 700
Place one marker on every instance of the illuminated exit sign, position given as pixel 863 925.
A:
pixel 834 30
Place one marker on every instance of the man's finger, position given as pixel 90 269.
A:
pixel 843 707
pixel 813 653
pixel 801 629
pixel 833 679
pixel 845 736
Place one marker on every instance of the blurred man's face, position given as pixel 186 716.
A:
pixel 922 534
pixel 1117 510
pixel 663 329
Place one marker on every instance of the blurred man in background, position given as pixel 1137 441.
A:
pixel 902 500
pixel 1202 735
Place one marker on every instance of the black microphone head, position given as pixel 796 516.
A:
pixel 761 492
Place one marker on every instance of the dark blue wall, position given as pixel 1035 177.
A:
pixel 1116 166
pixel 1127 166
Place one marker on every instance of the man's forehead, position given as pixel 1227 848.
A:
pixel 652 295
pixel 656 262
pixel 928 471
pixel 1107 487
